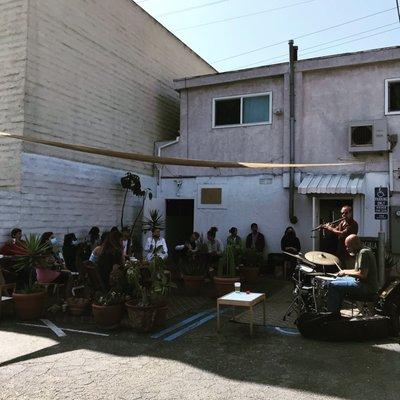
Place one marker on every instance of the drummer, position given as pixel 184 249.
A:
pixel 360 281
pixel 347 226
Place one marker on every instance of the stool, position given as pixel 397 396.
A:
pixel 366 304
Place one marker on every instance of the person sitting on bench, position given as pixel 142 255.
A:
pixel 359 282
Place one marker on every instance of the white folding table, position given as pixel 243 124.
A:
pixel 241 299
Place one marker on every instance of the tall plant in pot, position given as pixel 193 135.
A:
pixel 227 275
pixel 252 262
pixel 193 268
pixel 30 300
pixel 148 308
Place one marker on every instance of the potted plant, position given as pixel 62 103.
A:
pixel 155 220
pixel 148 308
pixel 77 305
pixel 193 269
pixel 252 262
pixel 29 301
pixel 107 310
pixel 226 276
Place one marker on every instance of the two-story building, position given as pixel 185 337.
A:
pixel 346 109
pixel 96 73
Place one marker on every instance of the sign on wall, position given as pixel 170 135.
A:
pixel 381 203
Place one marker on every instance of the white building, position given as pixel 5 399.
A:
pixel 96 73
pixel 244 116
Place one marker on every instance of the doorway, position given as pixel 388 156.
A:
pixel 179 217
pixel 329 210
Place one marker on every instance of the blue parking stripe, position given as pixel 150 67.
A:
pixel 190 327
pixel 180 324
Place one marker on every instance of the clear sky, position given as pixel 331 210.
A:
pixel 193 21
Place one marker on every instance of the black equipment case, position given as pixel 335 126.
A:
pixel 328 326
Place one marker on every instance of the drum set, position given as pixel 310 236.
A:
pixel 312 275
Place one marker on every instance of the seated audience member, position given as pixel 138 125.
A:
pixel 290 242
pixel 110 257
pixel 255 240
pixel 155 245
pixel 233 239
pixel 126 243
pixel 114 229
pixel 69 251
pixel 358 282
pixel 11 247
pixel 191 246
pixel 214 247
pixel 93 237
pixel 55 270
pixel 94 256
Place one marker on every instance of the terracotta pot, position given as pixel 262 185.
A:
pixel 107 317
pixel 145 319
pixel 29 306
pixel 250 274
pixel 77 305
pixel 224 284
pixel 193 284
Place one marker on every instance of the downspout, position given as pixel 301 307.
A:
pixel 158 146
pixel 292 60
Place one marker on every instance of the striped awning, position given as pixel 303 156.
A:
pixel 332 184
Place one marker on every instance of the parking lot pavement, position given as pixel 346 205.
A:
pixel 200 364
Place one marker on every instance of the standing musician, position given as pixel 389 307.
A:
pixel 348 226
pixel 360 281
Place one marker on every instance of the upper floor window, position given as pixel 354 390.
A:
pixel 254 109
pixel 392 96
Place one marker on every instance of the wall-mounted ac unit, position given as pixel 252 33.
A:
pixel 368 136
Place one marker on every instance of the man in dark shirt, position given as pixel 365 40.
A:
pixel 255 240
pixel 345 228
pixel 360 281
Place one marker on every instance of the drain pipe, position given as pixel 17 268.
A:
pixel 158 146
pixel 292 60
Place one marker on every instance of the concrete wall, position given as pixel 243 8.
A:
pixel 13 31
pixel 94 72
pixel 66 196
pixel 100 73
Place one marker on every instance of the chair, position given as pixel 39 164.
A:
pixel 6 299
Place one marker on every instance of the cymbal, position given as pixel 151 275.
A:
pixel 299 257
pixel 321 258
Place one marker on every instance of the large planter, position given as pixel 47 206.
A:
pixel 29 306
pixel 224 284
pixel 193 284
pixel 250 274
pixel 107 317
pixel 148 318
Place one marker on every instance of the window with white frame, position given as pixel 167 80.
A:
pixel 254 109
pixel 392 96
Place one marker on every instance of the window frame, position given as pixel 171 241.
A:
pixel 387 81
pixel 241 97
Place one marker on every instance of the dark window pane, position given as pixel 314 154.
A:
pixel 227 112
pixel 211 196
pixel 255 109
pixel 394 96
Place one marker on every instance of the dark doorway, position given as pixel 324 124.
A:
pixel 329 210
pixel 179 221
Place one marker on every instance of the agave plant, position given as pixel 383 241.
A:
pixel 155 220
pixel 31 254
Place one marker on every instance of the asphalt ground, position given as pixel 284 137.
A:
pixel 199 364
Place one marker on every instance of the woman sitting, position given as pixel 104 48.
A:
pixel 290 243
pixel 69 250
pixel 54 271
pixel 94 256
pixel 110 257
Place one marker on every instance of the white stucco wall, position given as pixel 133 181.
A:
pixel 66 196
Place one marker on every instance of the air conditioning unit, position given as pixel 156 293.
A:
pixel 368 136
